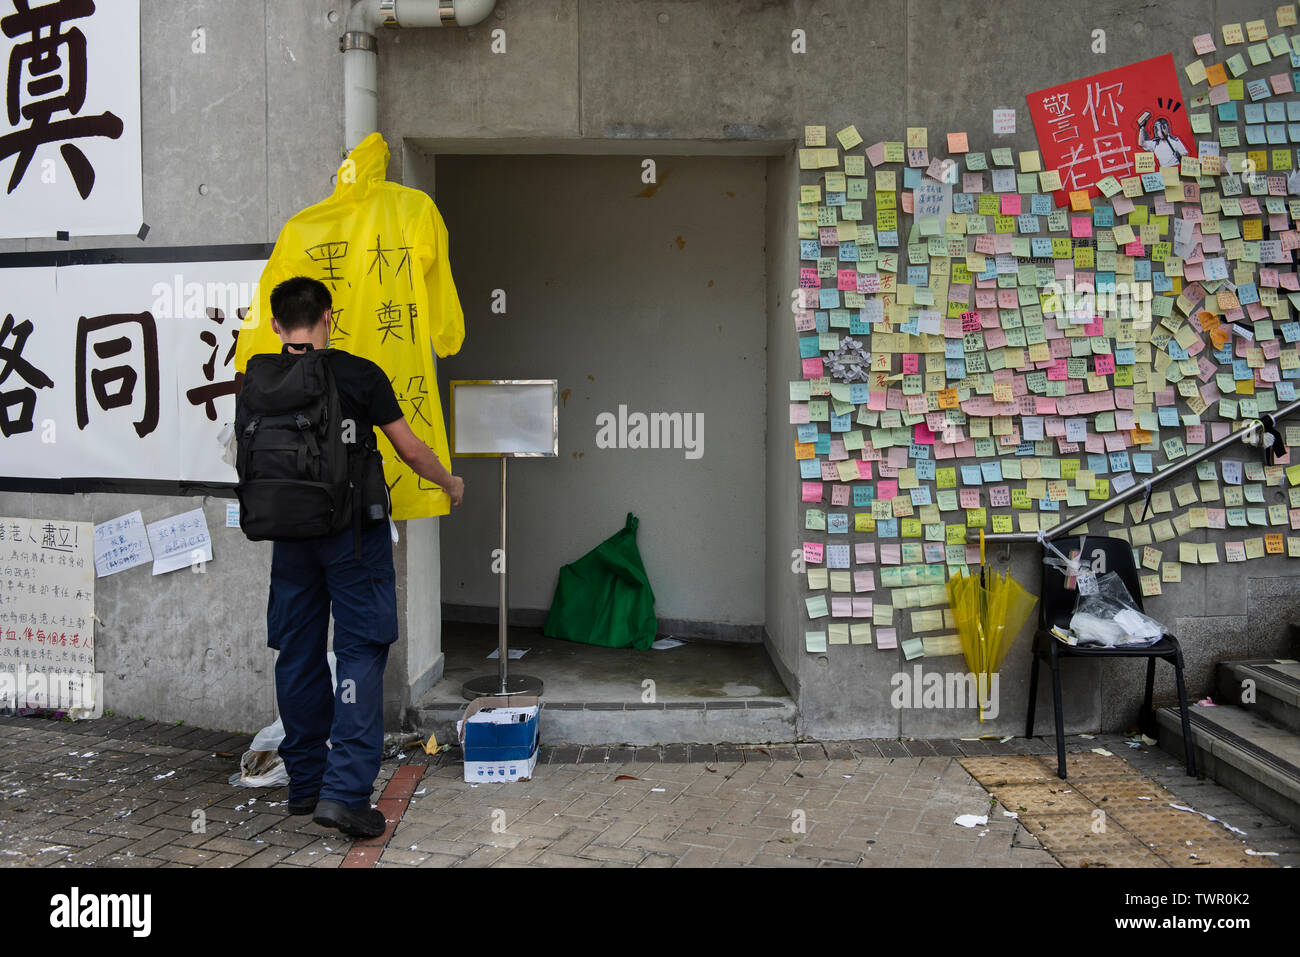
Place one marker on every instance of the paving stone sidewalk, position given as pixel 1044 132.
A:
pixel 122 793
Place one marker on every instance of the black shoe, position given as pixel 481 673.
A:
pixel 303 805
pixel 361 823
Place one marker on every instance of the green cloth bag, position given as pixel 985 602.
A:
pixel 604 598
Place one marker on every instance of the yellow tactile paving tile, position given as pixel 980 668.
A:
pixel 1008 769
pixel 1125 794
pixel 1078 832
pixel 1227 853
pixel 1124 856
pixel 1106 814
pixel 1085 765
pixel 1164 825
pixel 1041 797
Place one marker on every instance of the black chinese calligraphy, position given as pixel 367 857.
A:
pixel 330 256
pixel 52 62
pixel 23 398
pixel 208 394
pixel 123 375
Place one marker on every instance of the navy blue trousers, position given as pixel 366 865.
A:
pixel 306 578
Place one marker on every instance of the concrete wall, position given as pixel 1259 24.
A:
pixel 257 120
pixel 645 296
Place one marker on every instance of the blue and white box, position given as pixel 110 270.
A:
pixel 500 737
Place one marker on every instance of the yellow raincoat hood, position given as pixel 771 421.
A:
pixel 382 249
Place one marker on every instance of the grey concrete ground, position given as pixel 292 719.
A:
pixel 123 793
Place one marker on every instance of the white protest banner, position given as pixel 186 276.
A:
pixel 70 156
pixel 122 370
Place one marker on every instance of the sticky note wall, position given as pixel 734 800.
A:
pixel 987 342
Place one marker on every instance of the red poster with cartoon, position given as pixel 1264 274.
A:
pixel 1091 128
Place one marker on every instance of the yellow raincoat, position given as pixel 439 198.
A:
pixel 382 250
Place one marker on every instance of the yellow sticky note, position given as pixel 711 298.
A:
pixel 848 138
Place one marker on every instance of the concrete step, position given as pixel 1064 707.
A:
pixel 709 721
pixel 1269 687
pixel 1243 751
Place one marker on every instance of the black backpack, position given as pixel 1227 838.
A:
pixel 297 477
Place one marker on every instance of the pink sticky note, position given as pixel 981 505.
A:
pixel 864 553
pixel 840 495
pixel 866 581
pixel 812 368
pixel 864 469
pixel 887 637
pixel 1081 227
pixel 1057 371
pixel 812 491
pixel 862 607
pixel 1010 204
pixel 812 552
pixel 1105 365
pixel 886 490
pixel 911 363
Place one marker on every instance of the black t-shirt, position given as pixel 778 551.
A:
pixel 365 394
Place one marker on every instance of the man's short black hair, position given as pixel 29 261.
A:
pixel 299 303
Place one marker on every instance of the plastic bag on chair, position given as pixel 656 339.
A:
pixel 1109 617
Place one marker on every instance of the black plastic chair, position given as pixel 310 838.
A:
pixel 1056 608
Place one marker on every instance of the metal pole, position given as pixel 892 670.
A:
pixel 503 614
pixel 1141 488
pixel 502 684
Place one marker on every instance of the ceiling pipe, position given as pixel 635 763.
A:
pixel 361 50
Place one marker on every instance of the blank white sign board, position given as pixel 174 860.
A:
pixel 504 417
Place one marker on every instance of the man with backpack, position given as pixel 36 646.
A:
pixel 311 480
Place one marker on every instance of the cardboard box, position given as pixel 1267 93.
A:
pixel 500 738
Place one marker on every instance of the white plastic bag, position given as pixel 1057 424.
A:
pixel 1110 618
pixel 261 766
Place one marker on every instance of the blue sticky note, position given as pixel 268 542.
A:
pixel 991 471
pixel 863 495
pixel 971 475
pixel 810 469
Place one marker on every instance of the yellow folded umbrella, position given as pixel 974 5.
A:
pixel 990 611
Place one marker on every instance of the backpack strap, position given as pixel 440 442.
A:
pixel 241 448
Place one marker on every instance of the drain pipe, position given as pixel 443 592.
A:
pixel 361 50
